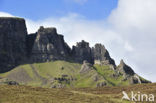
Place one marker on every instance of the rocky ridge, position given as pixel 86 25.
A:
pixel 18 47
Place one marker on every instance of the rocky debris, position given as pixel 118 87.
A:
pixel 64 75
pixel 86 67
pixel 135 79
pixel 60 82
pixel 101 55
pixel 82 52
pixel 115 75
pixel 49 46
pixel 124 69
pixel 12 83
pixel 13 33
pixel 97 77
pixel 101 84
pixel 59 85
pixel 8 81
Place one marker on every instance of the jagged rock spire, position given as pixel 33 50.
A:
pixel 125 69
pixel 101 55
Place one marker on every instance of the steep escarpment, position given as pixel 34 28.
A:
pixel 82 52
pixel 101 55
pixel 47 60
pixel 49 46
pixel 12 42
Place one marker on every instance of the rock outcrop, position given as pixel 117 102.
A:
pixel 49 46
pixel 101 55
pixel 12 42
pixel 86 67
pixel 82 52
pixel 17 47
pixel 126 70
pixel 129 74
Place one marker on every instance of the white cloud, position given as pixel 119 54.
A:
pixel 129 33
pixel 4 14
pixel 128 47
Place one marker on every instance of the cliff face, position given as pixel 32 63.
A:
pixel 82 52
pixel 101 55
pixel 44 45
pixel 12 42
pixel 48 46
pixel 17 47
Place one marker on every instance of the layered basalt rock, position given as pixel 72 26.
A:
pixel 101 55
pixel 48 46
pixel 129 74
pixel 17 47
pixel 125 69
pixel 82 52
pixel 13 33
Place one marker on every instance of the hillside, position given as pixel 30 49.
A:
pixel 27 94
pixel 44 59
pixel 59 74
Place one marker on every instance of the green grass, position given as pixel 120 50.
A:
pixel 107 73
pixel 54 69
pixel 28 94
pixel 50 70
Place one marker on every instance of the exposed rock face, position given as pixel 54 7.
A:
pixel 82 52
pixel 49 46
pixel 12 42
pixel 17 47
pixel 86 67
pixel 135 79
pixel 101 84
pixel 101 55
pixel 125 69
pixel 129 74
pixel 30 39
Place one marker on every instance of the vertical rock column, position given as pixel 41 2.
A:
pixel 49 46
pixel 12 42
pixel 82 52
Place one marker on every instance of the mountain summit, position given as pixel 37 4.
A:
pixel 45 59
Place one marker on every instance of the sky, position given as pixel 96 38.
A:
pixel 126 27
pixel 40 9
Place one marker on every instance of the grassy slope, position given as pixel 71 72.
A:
pixel 107 73
pixel 26 94
pixel 58 68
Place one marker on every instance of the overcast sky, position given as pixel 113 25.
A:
pixel 127 28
